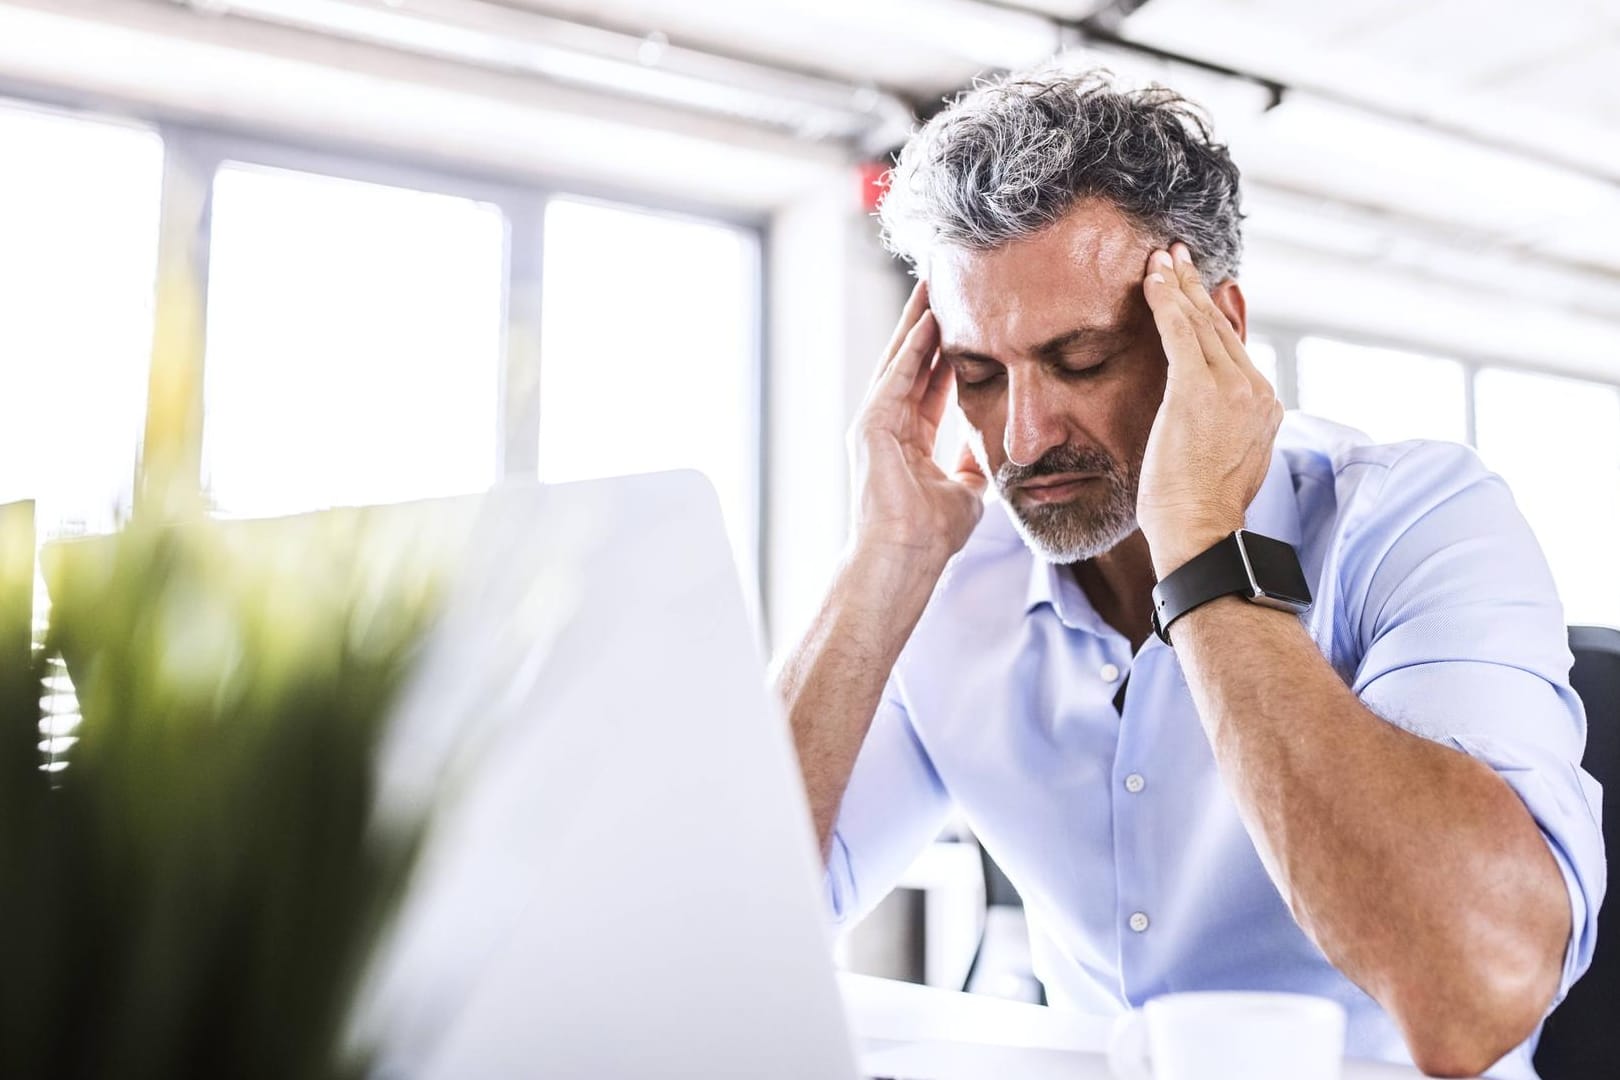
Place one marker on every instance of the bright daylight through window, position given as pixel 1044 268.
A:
pixel 78 255
pixel 1557 443
pixel 354 343
pixel 648 353
pixel 1389 395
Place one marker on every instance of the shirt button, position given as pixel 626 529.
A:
pixel 1139 922
pixel 1134 783
pixel 1109 673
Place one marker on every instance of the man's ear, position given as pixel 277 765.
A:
pixel 1228 296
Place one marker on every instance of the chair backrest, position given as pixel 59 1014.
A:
pixel 1582 1038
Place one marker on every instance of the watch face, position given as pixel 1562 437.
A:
pixel 1276 570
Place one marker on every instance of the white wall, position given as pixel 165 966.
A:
pixel 834 296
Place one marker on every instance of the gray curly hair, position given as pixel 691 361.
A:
pixel 1011 156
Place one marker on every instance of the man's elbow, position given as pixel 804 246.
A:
pixel 1464 1029
pixel 1493 980
pixel 1460 1052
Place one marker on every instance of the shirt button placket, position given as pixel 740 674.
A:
pixel 1131 872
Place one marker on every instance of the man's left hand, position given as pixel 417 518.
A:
pixel 1211 442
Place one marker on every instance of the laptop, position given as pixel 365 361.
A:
pixel 622 881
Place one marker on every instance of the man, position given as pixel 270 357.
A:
pixel 1379 801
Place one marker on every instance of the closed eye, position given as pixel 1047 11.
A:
pixel 1083 373
pixel 1083 370
pixel 977 373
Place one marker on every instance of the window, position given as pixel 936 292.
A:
pixel 79 205
pixel 648 353
pixel 1389 395
pixel 356 346
pixel 354 343
pixel 1557 444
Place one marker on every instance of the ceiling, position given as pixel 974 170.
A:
pixel 1554 57
pixel 1468 146
pixel 1476 141
pixel 919 48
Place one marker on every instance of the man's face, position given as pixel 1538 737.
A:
pixel 1059 372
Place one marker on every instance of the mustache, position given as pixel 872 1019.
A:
pixel 1059 459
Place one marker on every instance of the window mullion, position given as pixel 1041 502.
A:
pixel 1470 415
pixel 519 438
pixel 171 457
pixel 1287 350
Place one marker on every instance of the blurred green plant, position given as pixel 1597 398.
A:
pixel 199 890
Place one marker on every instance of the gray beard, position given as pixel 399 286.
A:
pixel 1073 533
pixel 1084 528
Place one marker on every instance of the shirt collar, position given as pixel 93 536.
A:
pixel 1051 583
pixel 1274 512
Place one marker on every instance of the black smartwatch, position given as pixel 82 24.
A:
pixel 1246 564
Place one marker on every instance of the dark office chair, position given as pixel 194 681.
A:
pixel 1582 1038
pixel 1001 965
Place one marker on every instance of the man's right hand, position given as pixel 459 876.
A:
pixel 910 518
pixel 905 504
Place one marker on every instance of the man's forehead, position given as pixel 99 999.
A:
pixel 1084 270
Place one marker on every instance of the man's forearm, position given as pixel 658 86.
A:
pixel 1415 868
pixel 833 680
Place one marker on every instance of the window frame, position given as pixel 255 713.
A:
pixel 1285 337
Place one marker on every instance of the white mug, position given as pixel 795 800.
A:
pixel 1230 1035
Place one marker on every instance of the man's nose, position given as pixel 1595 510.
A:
pixel 1033 427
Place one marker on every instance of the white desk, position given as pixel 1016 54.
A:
pixel 923 1033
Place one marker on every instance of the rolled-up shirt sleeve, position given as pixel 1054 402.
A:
pixel 1464 643
pixel 894 805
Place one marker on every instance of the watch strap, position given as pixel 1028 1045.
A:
pixel 1261 569
pixel 1217 571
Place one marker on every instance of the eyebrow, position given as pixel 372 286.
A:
pixel 1053 346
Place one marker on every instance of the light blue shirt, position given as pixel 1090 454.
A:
pixel 1433 602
